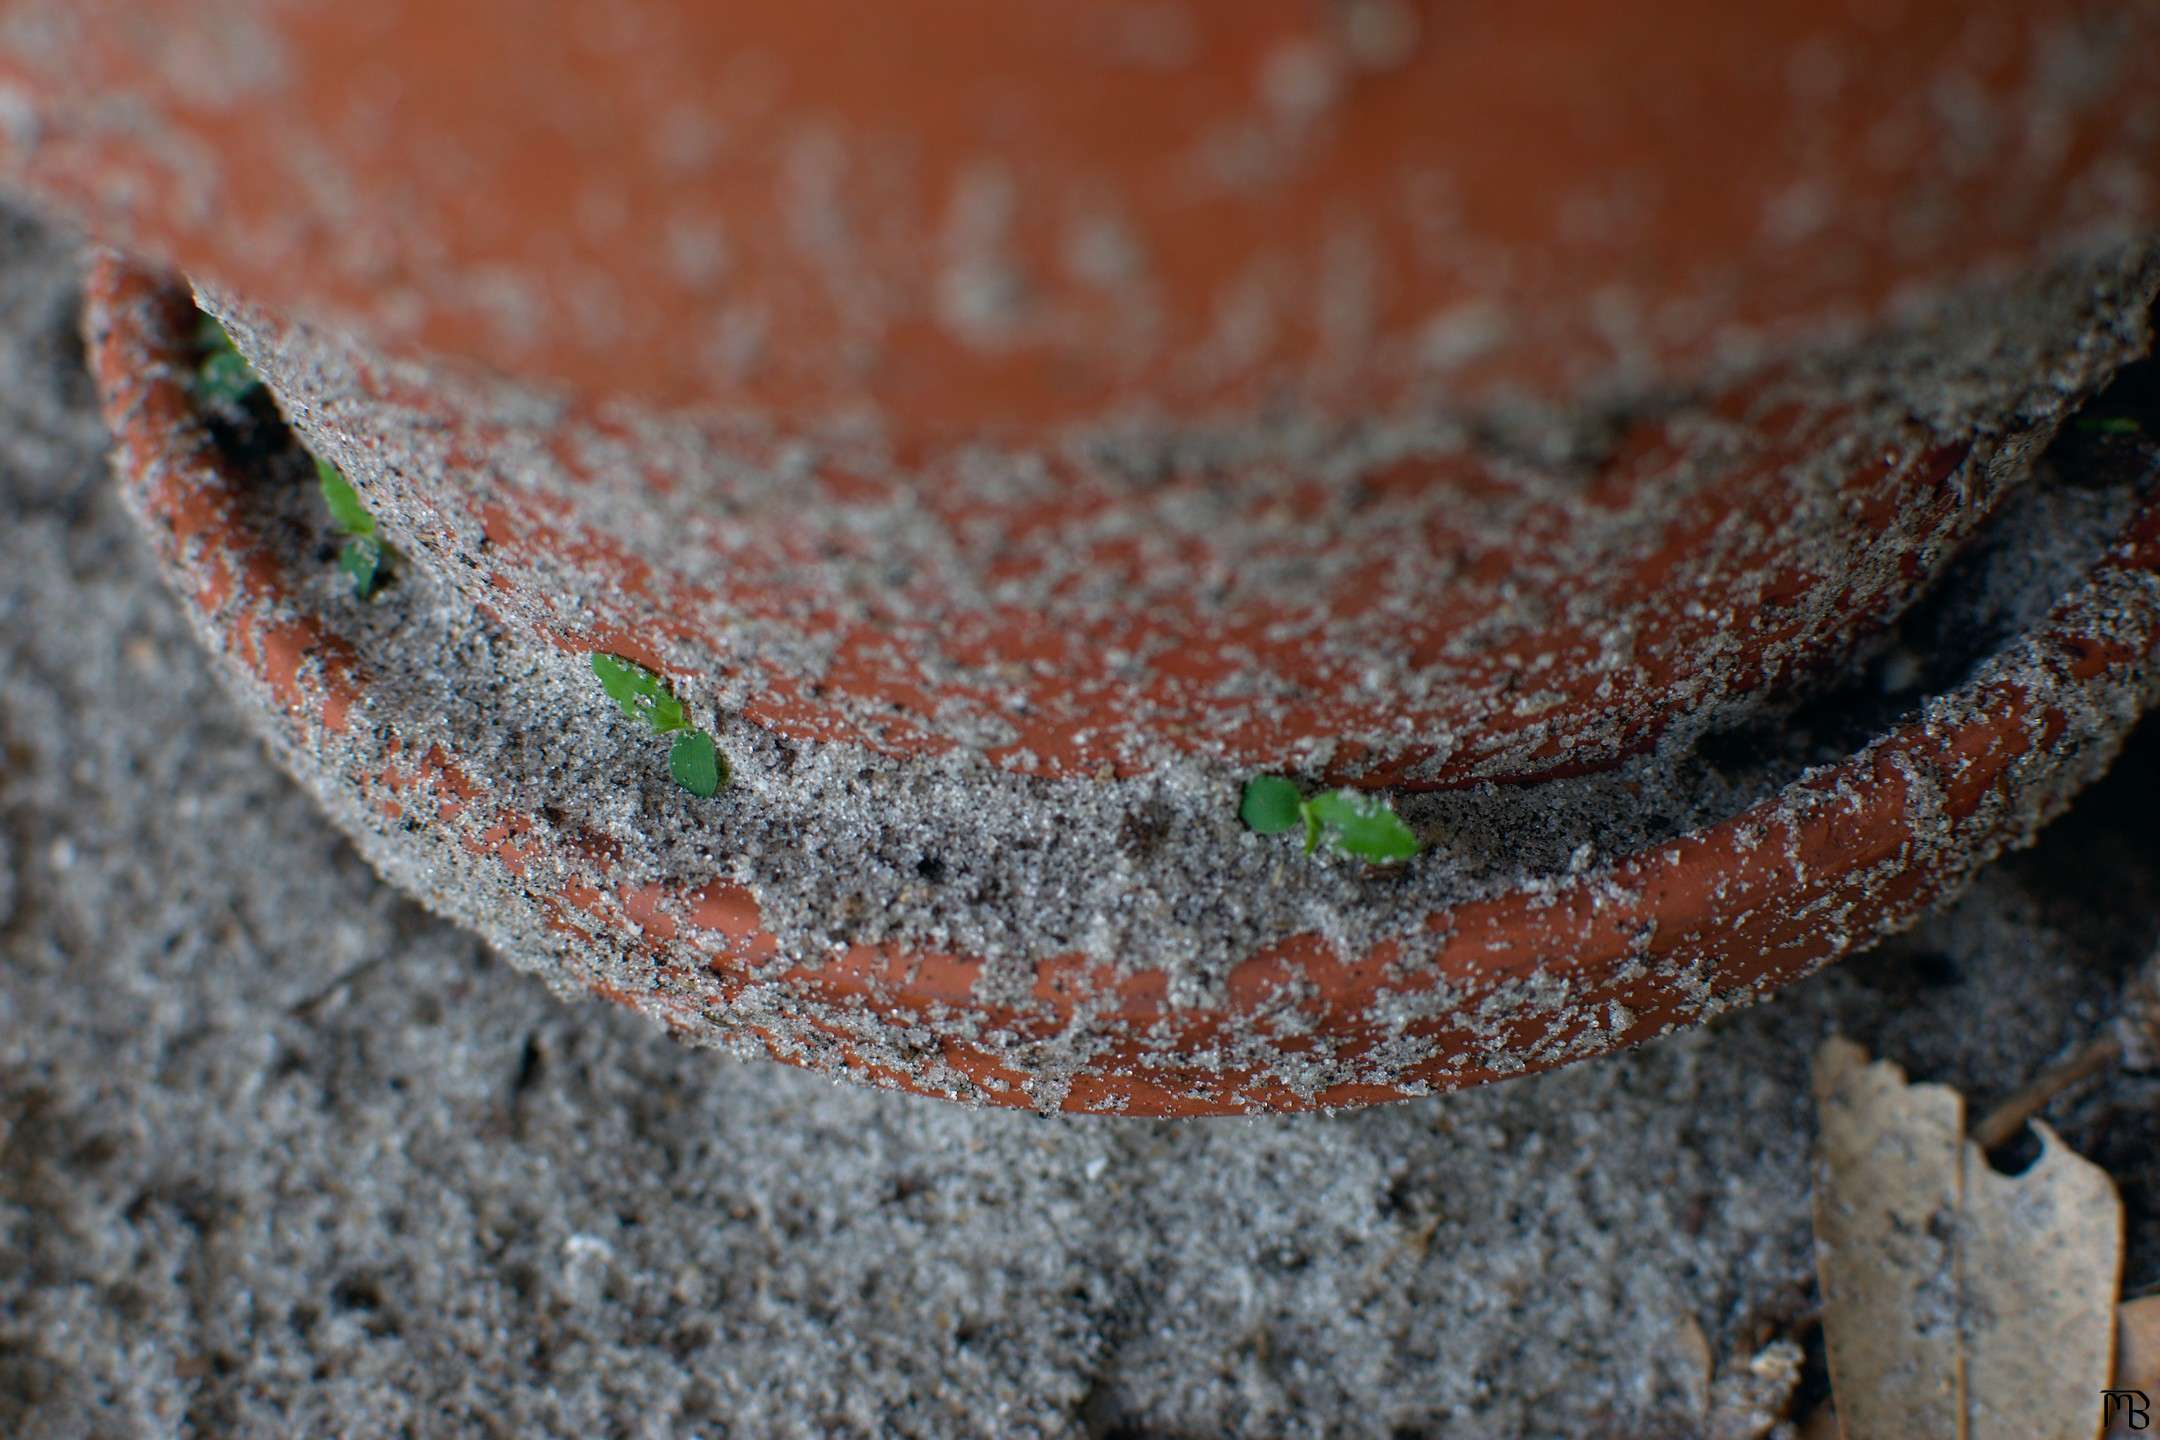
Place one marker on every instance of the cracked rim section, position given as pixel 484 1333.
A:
pixel 1515 982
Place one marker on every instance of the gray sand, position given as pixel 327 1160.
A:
pixel 281 1155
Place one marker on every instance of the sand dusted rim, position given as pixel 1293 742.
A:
pixel 484 825
pixel 1427 603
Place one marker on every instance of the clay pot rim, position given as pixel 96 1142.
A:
pixel 1703 887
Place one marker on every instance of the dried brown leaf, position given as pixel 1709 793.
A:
pixel 1957 1302
pixel 1887 1184
pixel 2137 1345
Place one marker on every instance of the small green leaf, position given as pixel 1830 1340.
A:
pixel 1363 825
pixel 1270 805
pixel 697 766
pixel 224 374
pixel 2109 425
pixel 361 559
pixel 623 680
pixel 345 508
pixel 641 693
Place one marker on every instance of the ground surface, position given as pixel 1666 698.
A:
pixel 281 1155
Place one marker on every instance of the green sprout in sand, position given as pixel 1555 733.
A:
pixel 1358 824
pixel 695 762
pixel 364 554
pixel 225 378
pixel 224 374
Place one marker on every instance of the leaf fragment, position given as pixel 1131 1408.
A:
pixel 345 506
pixel 361 560
pixel 225 377
pixel 640 692
pixel 697 765
pixel 1270 805
pixel 1363 825
pixel 2137 1345
pixel 224 374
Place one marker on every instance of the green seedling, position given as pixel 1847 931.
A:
pixel 224 374
pixel 1359 824
pixel 695 762
pixel 364 556
pixel 226 377
pixel 2109 425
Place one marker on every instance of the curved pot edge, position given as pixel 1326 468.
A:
pixel 1658 940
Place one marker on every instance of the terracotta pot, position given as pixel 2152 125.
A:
pixel 962 220
pixel 1095 396
pixel 1383 605
pixel 1186 380
pixel 1554 971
